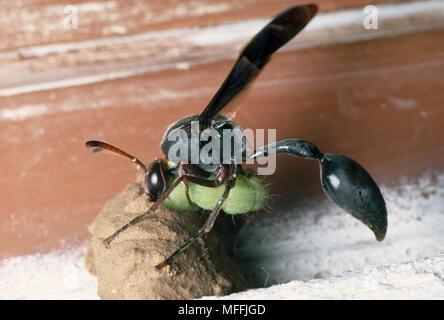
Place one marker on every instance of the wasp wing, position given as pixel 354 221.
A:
pixel 255 55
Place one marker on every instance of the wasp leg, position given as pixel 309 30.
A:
pixel 210 221
pixel 344 181
pixel 186 184
pixel 183 168
pixel 196 171
pixel 250 217
pixel 155 205
pixel 220 177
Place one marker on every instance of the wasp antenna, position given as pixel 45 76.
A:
pixel 97 146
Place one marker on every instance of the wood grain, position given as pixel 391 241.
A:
pixel 378 101
pixel 54 65
pixel 39 22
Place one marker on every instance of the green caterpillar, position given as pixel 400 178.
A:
pixel 250 193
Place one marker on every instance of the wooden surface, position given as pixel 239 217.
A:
pixel 39 22
pixel 378 101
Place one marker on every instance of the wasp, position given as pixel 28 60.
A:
pixel 223 185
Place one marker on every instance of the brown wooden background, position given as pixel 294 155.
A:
pixel 378 100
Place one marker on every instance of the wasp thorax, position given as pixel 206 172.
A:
pixel 223 142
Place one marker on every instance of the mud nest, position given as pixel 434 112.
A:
pixel 126 269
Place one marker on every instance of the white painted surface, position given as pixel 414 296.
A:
pixel 419 279
pixel 57 275
pixel 318 252
pixel 321 240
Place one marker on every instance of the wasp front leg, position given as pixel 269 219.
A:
pixel 210 220
pixel 220 177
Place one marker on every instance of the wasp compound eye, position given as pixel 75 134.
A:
pixel 155 181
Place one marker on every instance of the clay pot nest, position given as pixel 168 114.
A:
pixel 126 270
